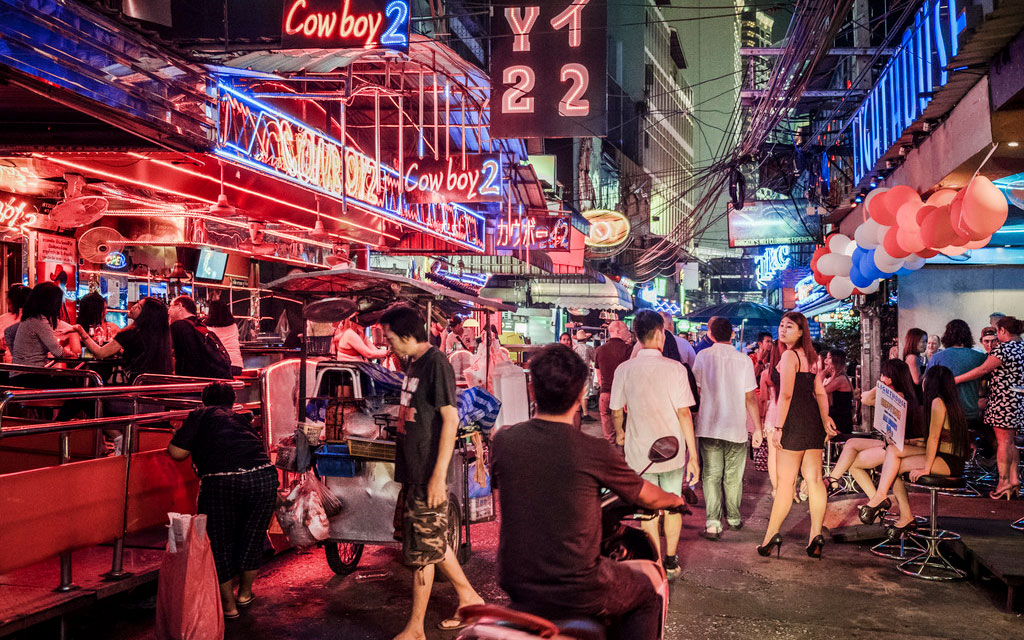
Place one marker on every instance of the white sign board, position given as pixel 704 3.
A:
pixel 890 415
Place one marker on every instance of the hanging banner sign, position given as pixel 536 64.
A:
pixel 536 233
pixel 890 414
pixel 905 88
pixel 268 141
pixel 446 180
pixel 345 24
pixel 548 69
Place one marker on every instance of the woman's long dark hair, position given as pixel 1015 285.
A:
pixel 44 302
pixel 91 310
pixel 899 372
pixel 805 343
pixel 154 329
pixel 220 315
pixel 17 295
pixel 940 383
pixel 910 342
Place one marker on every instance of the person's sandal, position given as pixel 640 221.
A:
pixel 451 624
pixel 246 602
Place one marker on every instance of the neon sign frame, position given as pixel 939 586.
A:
pixel 266 140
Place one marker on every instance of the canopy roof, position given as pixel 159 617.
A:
pixel 739 312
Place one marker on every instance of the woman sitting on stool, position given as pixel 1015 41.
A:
pixel 942 453
pixel 861 454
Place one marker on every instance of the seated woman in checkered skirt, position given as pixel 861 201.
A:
pixel 238 488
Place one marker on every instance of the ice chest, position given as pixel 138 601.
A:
pixel 334 460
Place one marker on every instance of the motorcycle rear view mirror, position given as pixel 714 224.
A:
pixel 663 450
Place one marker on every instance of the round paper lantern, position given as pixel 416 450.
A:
pixel 835 264
pixel 909 238
pixel 891 246
pixel 885 262
pixel 941 197
pixel 838 242
pixel 874 193
pixel 873 287
pixel 984 209
pixel 936 230
pixel 978 244
pixel 913 263
pixel 866 235
pixel 840 288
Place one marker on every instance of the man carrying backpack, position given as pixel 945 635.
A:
pixel 198 353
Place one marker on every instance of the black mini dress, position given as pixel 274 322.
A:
pixel 803 429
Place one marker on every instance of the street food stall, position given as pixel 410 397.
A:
pixel 358 405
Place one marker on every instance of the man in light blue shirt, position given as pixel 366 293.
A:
pixel 958 356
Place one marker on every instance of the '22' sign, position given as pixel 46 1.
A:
pixel 365 24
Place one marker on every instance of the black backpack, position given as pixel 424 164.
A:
pixel 217 362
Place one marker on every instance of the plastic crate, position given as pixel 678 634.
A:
pixel 334 460
pixel 373 449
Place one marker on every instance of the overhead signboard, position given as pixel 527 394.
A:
pixel 607 228
pixel 448 180
pixel 345 24
pixel 536 233
pixel 905 88
pixel 548 69
pixel 769 222
pixel 266 140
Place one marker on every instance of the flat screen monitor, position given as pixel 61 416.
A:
pixel 211 265
pixel 772 222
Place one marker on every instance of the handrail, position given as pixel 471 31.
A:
pixel 92 423
pixel 87 374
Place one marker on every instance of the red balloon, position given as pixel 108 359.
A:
pixel 963 235
pixel 892 246
pixel 822 279
pixel 880 211
pixel 928 253
pixel 892 200
pixel 820 251
pixel 936 230
pixel 985 208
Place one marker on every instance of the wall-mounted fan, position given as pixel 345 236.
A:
pixel 96 244
pixel 77 210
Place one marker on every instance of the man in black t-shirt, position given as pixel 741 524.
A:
pixel 427 424
pixel 548 475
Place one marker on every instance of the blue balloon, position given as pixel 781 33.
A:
pixel 858 255
pixel 904 271
pixel 867 266
pixel 860 280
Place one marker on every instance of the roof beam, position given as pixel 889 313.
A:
pixel 837 51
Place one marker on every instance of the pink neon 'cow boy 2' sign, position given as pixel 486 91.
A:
pixel 447 180
pixel 345 24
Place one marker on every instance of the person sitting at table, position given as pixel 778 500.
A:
pixel 862 454
pixel 17 295
pixel 145 344
pixel 92 316
pixel 350 345
pixel 221 322
pixel 35 337
pixel 941 453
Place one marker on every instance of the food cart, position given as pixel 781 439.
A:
pixel 360 471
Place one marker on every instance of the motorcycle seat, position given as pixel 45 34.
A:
pixel 581 629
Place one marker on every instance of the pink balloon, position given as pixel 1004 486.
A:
pixel 909 238
pixel 978 244
pixel 892 246
pixel 941 197
pixel 897 197
pixel 963 236
pixel 880 210
pixel 984 209
pixel 953 251
pixel 928 253
pixel 907 214
pixel 936 230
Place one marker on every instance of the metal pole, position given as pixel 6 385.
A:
pixel 302 371
pixel 66 583
pixel 117 571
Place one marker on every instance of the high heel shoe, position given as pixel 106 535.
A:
pixel 815 547
pixel 869 514
pixel 895 533
pixel 766 550
pixel 832 486
pixel 1010 492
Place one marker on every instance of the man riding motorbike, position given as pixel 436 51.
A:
pixel 548 475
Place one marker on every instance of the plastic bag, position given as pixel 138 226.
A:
pixel 330 502
pixel 302 516
pixel 476 490
pixel 188 603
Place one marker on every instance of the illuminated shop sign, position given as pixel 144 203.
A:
pixel 807 288
pixel 770 263
pixel 905 88
pixel 271 142
pixel 16 216
pixel 607 228
pixel 345 24
pixel 548 69
pixel 536 233
pixel 447 180
pixel 116 260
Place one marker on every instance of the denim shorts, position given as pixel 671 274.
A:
pixel 670 481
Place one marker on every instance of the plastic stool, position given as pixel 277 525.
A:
pixel 930 564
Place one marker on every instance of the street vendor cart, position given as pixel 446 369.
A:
pixel 357 403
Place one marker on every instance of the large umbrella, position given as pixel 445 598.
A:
pixel 738 312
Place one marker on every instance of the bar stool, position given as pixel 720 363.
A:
pixel 930 564
pixel 1018 525
pixel 904 547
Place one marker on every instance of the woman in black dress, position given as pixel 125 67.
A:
pixel 839 390
pixel 803 414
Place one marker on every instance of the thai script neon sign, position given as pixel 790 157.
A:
pixel 268 141
pixel 15 215
pixel 770 263
pixel 344 24
pixel 905 88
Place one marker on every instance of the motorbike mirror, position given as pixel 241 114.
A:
pixel 663 449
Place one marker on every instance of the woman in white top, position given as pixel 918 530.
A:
pixel 16 297
pixel 221 322
pixel 350 343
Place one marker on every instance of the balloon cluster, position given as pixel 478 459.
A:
pixel 902 231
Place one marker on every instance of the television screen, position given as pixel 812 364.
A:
pixel 767 222
pixel 211 265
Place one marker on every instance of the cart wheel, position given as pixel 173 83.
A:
pixel 343 557
pixel 455 529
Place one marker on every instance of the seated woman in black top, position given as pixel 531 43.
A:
pixel 145 345
pixel 839 390
pixel 238 488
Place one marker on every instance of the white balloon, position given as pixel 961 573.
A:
pixel 885 262
pixel 835 264
pixel 914 262
pixel 873 287
pixel 882 230
pixel 840 287
pixel 866 235
pixel 872 194
pixel 838 243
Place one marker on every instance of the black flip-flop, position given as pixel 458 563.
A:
pixel 458 624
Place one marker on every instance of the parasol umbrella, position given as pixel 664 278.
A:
pixel 741 313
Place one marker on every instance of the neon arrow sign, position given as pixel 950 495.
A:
pixel 345 24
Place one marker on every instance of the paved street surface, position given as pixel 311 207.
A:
pixel 726 591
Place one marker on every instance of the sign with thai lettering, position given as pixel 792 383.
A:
pixel 448 180
pixel 548 68
pixel 543 233
pixel 905 87
pixel 345 24
pixel 890 414
pixel 268 141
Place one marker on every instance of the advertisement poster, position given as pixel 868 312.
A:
pixel 890 415
pixel 56 260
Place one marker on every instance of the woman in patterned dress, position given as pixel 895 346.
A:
pixel 1005 410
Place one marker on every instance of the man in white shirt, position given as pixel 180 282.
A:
pixel 681 351
pixel 656 392
pixel 726 381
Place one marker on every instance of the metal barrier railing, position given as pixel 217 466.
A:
pixel 128 426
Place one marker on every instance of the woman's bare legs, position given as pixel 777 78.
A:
pixel 851 449
pixel 816 494
pixel 1007 459
pixel 788 465
pixel 891 469
pixel 899 487
pixel 773 460
pixel 867 459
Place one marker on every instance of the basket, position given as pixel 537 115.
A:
pixel 318 345
pixel 334 460
pixel 312 431
pixel 372 449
